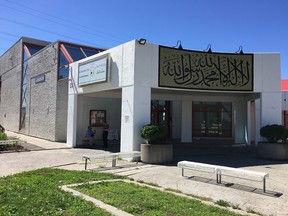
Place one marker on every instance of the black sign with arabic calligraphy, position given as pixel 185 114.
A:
pixel 206 71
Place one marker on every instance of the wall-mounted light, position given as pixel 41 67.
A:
pixel 142 41
pixel 208 49
pixel 240 50
pixel 179 45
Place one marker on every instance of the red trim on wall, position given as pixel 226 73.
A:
pixel 284 85
pixel 66 53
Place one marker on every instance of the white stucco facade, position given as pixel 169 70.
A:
pixel 133 83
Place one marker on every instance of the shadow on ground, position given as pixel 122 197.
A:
pixel 226 155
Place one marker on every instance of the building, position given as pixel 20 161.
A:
pixel 34 86
pixel 199 96
pixel 55 90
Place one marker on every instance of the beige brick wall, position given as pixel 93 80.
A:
pixel 10 71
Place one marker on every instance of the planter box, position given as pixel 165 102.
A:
pixel 274 151
pixel 6 144
pixel 156 154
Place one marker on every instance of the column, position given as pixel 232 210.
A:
pixel 72 120
pixel 186 125
pixel 136 112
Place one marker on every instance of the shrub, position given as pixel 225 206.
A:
pixel 3 136
pixel 274 133
pixel 151 133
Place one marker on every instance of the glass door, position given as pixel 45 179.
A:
pixel 212 119
pixel 160 114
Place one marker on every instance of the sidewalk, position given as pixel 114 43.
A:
pixel 34 143
pixel 246 196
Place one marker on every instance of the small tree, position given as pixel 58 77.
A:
pixel 274 133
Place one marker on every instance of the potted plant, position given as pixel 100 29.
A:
pixel 276 147
pixel 153 133
pixel 155 150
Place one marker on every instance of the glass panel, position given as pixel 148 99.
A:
pixel 75 52
pixel 198 106
pixel 158 104
pixel 226 121
pixel 22 120
pixel 162 118
pixel 211 106
pixel 24 75
pixel 25 56
pixel 90 52
pixel 33 49
pixel 227 107
pixel 212 119
pixel 161 105
pixel 23 101
pixel 212 123
pixel 199 123
pixel 63 72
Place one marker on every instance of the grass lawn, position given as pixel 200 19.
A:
pixel 146 201
pixel 37 193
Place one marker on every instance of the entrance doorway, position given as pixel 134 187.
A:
pixel 160 114
pixel 212 119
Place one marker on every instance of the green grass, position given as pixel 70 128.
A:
pixel 142 200
pixel 223 203
pixel 37 193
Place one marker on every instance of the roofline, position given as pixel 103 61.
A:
pixel 81 45
pixel 28 40
pixel 47 43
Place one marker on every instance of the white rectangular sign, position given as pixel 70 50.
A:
pixel 94 71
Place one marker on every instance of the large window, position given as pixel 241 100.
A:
pixel 28 51
pixel 212 119
pixel 70 53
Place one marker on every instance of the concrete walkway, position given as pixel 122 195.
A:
pixel 245 194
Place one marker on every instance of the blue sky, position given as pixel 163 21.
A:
pixel 256 25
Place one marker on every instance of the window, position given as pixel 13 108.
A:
pixel 212 119
pixel 63 71
pixel 160 114
pixel 70 53
pixel 28 51
pixel 89 52
pixel 75 52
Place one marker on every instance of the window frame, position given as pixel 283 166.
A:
pixel 204 112
pixel 69 58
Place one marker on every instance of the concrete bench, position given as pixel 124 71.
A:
pixel 112 156
pixel 220 171
pixel 242 174
pixel 209 168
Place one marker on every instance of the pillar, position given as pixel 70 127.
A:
pixel 136 112
pixel 72 120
